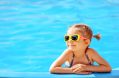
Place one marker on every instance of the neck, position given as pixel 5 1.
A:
pixel 79 52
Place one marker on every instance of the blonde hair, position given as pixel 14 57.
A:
pixel 85 30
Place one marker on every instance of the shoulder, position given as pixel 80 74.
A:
pixel 91 52
pixel 67 52
pixel 62 58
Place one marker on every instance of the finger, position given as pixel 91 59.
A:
pixel 77 69
pixel 81 66
pixel 74 67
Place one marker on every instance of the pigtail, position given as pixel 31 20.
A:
pixel 97 36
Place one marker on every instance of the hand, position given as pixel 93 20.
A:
pixel 80 69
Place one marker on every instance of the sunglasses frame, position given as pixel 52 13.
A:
pixel 70 37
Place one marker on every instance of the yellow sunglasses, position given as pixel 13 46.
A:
pixel 74 37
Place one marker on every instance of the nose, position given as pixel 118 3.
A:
pixel 70 41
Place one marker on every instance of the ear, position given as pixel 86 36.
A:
pixel 87 41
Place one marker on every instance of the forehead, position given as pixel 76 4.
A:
pixel 73 31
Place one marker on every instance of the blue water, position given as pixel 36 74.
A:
pixel 31 31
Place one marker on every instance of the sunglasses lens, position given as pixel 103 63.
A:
pixel 74 37
pixel 66 38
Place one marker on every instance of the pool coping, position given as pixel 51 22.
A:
pixel 114 73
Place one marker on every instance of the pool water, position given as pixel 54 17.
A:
pixel 32 31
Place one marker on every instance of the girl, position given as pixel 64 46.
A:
pixel 78 57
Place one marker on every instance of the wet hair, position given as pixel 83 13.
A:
pixel 85 31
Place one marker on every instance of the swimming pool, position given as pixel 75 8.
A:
pixel 31 32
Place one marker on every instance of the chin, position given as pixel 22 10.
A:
pixel 72 48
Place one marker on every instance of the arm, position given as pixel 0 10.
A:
pixel 56 66
pixel 103 65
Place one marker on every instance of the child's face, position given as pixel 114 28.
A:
pixel 74 45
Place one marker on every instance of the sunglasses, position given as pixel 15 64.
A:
pixel 74 37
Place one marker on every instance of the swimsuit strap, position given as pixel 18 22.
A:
pixel 87 56
pixel 72 60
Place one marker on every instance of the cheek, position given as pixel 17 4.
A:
pixel 80 43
